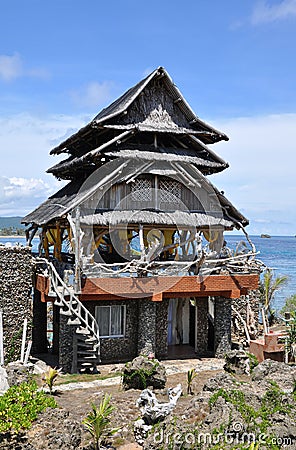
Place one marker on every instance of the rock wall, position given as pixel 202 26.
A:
pixel 121 348
pixel 16 271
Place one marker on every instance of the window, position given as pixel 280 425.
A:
pixel 170 191
pixel 111 320
pixel 141 190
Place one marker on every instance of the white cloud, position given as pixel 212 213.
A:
pixel 261 177
pixel 19 195
pixel 25 142
pixel 12 67
pixel 93 94
pixel 265 12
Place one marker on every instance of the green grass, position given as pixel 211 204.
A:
pixel 80 378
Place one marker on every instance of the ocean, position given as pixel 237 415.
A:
pixel 278 253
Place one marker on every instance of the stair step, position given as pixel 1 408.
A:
pixel 65 313
pixel 74 321
pixel 82 331
pixel 58 303
pixel 86 353
pixel 60 289
pixel 85 345
pixel 87 358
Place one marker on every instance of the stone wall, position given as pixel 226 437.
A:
pixel 16 271
pixel 161 338
pixel 125 348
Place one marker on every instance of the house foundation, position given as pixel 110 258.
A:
pixel 222 326
pixel 202 326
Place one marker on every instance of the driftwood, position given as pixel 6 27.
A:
pixel 243 322
pixel 152 410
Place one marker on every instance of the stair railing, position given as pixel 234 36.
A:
pixel 61 290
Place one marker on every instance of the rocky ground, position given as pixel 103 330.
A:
pixel 61 428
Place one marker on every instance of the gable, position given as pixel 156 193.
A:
pixel 155 108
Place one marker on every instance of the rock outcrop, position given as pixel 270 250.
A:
pixel 143 372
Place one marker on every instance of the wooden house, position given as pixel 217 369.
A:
pixel 131 250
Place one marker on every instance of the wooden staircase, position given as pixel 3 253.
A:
pixel 86 339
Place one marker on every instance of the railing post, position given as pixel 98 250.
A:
pixel 77 280
pixel 1 339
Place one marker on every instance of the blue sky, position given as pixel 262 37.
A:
pixel 234 61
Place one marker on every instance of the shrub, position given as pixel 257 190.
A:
pixel 290 305
pixel 20 406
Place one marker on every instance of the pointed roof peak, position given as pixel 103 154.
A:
pixel 121 105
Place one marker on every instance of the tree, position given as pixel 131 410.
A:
pixel 269 286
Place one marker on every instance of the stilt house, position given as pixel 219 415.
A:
pixel 132 254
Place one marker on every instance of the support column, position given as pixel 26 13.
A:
pixel 66 336
pixel 39 330
pixel 202 326
pixel 146 326
pixel 222 325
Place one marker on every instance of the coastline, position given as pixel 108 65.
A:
pixel 13 236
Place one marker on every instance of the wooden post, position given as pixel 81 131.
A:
pixel 28 352
pixel 265 328
pixel 1 339
pixel 77 280
pixel 24 340
pixel 141 237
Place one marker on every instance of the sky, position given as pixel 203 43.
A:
pixel 234 61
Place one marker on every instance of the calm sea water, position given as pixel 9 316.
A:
pixel 278 253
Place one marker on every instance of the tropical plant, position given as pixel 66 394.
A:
pixel 20 406
pixel 291 336
pixel 268 288
pixel 290 304
pixel 50 377
pixel 191 374
pixel 98 421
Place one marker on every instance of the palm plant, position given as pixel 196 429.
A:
pixel 268 288
pixel 191 374
pixel 98 420
pixel 50 377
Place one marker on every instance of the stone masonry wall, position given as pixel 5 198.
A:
pixel 16 271
pixel 125 348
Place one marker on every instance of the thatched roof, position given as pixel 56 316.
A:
pixel 174 218
pixel 171 155
pixel 114 115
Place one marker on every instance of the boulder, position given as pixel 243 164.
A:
pixel 282 374
pixel 237 361
pixel 143 372
pixel 17 373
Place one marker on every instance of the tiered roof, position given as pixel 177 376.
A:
pixel 150 122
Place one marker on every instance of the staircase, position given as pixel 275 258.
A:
pixel 86 339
